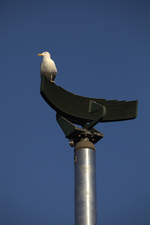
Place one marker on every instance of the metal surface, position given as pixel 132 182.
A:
pixel 80 110
pixel 75 134
pixel 85 187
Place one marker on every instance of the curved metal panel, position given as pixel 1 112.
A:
pixel 77 109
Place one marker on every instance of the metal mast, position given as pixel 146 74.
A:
pixel 83 141
pixel 87 112
pixel 85 183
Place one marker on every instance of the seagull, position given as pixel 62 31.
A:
pixel 48 67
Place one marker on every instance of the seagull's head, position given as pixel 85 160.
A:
pixel 47 54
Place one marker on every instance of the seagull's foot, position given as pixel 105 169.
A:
pixel 52 81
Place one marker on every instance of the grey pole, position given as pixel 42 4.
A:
pixel 85 183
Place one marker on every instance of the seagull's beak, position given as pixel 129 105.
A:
pixel 40 54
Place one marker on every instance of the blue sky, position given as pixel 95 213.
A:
pixel 101 49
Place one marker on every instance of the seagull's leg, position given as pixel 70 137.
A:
pixel 51 79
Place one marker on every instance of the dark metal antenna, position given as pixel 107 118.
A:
pixel 73 109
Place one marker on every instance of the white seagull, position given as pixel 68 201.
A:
pixel 48 67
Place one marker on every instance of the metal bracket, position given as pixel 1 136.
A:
pixel 75 134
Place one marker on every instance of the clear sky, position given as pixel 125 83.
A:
pixel 101 49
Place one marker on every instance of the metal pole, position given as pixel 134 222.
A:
pixel 85 183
